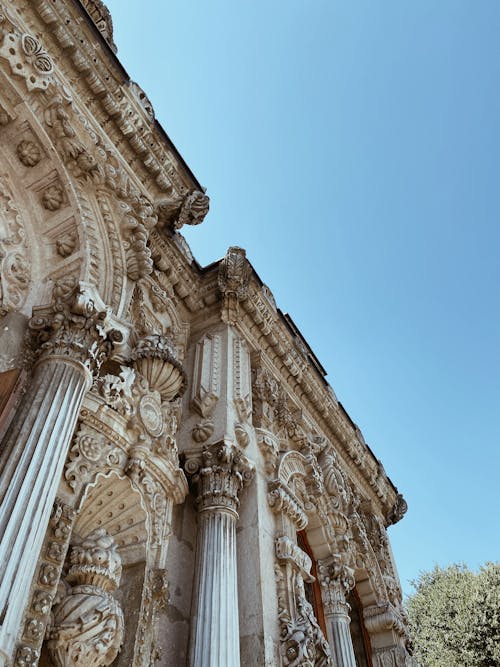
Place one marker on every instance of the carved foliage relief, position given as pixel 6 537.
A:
pixel 14 254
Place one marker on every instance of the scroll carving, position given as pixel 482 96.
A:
pixel 302 643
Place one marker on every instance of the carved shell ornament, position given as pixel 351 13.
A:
pixel 155 358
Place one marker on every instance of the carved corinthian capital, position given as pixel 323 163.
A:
pixel 88 622
pixel 75 330
pixel 336 580
pixel 218 475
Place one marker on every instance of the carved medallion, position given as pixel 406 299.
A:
pixel 151 415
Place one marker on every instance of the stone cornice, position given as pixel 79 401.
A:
pixel 123 111
pixel 267 329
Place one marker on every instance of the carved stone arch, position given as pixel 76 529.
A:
pixel 111 509
pixel 48 217
pixel 367 569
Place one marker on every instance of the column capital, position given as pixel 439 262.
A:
pixel 74 329
pixel 218 474
pixel 336 580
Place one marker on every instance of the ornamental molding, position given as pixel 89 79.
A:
pixel 15 255
pixel 44 587
pixel 120 109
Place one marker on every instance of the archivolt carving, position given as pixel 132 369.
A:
pixel 14 254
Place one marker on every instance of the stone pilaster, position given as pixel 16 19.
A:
pixel 336 580
pixel 218 475
pixel 72 342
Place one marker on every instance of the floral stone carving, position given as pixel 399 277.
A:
pixel 88 622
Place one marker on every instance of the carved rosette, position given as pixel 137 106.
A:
pixel 25 54
pixel 219 475
pixel 88 622
pixel 336 580
pixel 155 358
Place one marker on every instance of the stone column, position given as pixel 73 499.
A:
pixel 71 344
pixel 336 580
pixel 218 475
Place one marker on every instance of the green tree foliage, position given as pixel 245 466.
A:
pixel 455 617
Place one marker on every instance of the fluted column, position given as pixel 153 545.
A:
pixel 71 344
pixel 218 476
pixel 336 580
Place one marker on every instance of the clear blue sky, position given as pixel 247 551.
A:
pixel 353 149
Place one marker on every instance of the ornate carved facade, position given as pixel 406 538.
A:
pixel 178 483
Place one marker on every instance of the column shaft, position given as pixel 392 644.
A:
pixel 215 627
pixel 340 640
pixel 31 463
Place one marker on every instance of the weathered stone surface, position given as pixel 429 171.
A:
pixel 155 415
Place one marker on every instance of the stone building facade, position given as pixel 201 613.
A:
pixel 178 483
